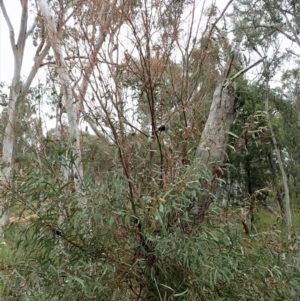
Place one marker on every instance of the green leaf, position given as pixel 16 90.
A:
pixel 182 293
pixel 232 134
pixel 80 281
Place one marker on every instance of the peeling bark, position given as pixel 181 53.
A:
pixel 211 151
pixel 214 138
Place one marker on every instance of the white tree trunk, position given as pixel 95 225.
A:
pixel 214 138
pixel 71 106
pixel 18 91
pixel 287 202
pixel 211 151
pixel 297 101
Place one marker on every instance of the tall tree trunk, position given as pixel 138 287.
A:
pixel 297 101
pixel 214 138
pixel 210 153
pixel 18 91
pixel 287 202
pixel 277 187
pixel 71 106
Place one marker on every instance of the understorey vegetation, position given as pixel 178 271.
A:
pixel 151 152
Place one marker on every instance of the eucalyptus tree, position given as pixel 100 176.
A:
pixel 77 36
pixel 262 26
pixel 72 108
pixel 288 107
pixel 18 90
pixel 252 179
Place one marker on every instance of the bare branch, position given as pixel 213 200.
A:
pixel 88 69
pixel 275 28
pixel 10 27
pixel 248 68
pixel 31 29
pixel 222 14
pixel 23 26
pixel 68 58
pixel 292 52
pixel 37 64
pixel 42 43
pixel 296 39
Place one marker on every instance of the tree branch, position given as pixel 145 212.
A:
pixel 10 27
pixel 23 26
pixel 222 14
pixel 279 30
pixel 290 26
pixel 29 32
pixel 37 64
pixel 66 59
pixel 247 68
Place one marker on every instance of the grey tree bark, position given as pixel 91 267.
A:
pixel 214 138
pixel 211 151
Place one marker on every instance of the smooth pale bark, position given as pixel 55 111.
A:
pixel 214 138
pixel 18 91
pixel 72 106
pixel 297 101
pixel 211 151
pixel 287 202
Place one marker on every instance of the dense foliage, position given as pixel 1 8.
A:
pixel 157 158
pixel 102 253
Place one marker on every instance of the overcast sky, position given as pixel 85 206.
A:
pixel 6 57
pixel 13 8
